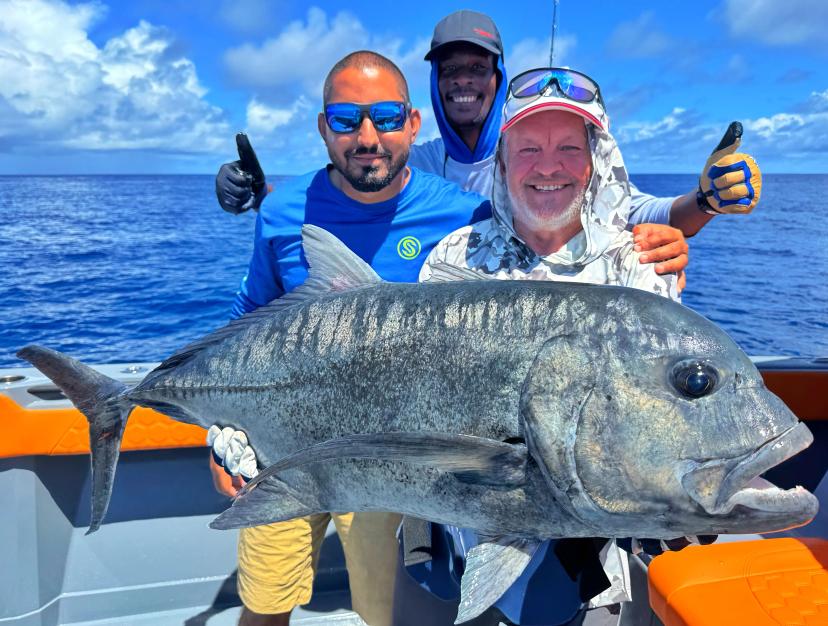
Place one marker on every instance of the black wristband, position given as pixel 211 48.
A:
pixel 703 205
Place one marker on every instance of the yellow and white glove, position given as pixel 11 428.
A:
pixel 231 450
pixel 730 181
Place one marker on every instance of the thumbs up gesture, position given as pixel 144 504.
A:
pixel 730 181
pixel 240 185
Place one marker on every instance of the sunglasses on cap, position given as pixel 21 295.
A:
pixel 346 117
pixel 569 83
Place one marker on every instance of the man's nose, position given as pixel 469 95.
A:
pixel 366 134
pixel 463 77
pixel 548 162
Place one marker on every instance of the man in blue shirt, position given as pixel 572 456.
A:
pixel 392 216
pixel 468 88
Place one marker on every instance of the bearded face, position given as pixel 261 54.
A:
pixel 548 165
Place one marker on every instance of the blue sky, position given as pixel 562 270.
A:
pixel 161 86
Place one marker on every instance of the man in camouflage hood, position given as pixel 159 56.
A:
pixel 561 198
pixel 561 204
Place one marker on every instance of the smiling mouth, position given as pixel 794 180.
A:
pixel 463 99
pixel 547 188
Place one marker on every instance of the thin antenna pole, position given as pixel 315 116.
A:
pixel 554 30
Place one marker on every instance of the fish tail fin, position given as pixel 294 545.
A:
pixel 101 400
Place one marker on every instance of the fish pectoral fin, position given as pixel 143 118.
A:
pixel 475 460
pixel 271 501
pixel 491 568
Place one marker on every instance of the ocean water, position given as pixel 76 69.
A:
pixel 129 268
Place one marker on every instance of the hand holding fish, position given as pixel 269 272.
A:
pixel 665 245
pixel 231 451
pixel 351 411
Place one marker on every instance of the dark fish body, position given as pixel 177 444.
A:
pixel 517 408
pixel 449 358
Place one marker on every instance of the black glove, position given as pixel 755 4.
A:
pixel 240 185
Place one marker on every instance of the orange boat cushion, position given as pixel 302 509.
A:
pixel 65 431
pixel 757 583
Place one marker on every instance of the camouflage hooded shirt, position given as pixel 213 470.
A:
pixel 602 253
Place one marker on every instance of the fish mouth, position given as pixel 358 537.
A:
pixel 742 485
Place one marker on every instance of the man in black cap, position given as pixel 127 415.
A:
pixel 468 89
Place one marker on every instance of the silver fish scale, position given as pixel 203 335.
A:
pixel 455 358
pixel 377 359
pixel 380 359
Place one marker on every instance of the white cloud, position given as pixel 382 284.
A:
pixel 530 53
pixel 643 131
pixel 639 38
pixel 300 55
pixel 59 90
pixel 791 135
pixel 296 61
pixel 263 119
pixel 681 140
pixel 285 74
pixel 773 22
pixel 817 102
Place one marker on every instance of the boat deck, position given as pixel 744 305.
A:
pixel 155 561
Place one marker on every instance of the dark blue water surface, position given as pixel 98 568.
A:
pixel 129 268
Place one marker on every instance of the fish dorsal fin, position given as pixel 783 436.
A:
pixel 333 268
pixel 443 273
pixel 491 568
pixel 474 460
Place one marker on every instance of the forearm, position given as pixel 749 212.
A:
pixel 686 215
pixel 263 283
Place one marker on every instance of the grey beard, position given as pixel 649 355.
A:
pixel 570 214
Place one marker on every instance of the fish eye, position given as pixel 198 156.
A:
pixel 694 379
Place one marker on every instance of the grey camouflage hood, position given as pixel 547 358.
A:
pixel 604 213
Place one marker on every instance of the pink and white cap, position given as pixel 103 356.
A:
pixel 515 109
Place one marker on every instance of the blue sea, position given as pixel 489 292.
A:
pixel 129 268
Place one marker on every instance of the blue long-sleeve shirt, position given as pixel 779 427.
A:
pixel 394 236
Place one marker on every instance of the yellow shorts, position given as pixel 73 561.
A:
pixel 277 562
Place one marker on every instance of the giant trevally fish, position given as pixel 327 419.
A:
pixel 522 409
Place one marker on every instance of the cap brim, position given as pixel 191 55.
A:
pixel 477 42
pixel 553 106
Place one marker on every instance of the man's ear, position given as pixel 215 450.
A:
pixel 322 125
pixel 416 121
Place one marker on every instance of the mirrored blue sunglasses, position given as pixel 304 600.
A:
pixel 570 84
pixel 346 117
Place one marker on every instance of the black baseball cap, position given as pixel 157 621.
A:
pixel 469 26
